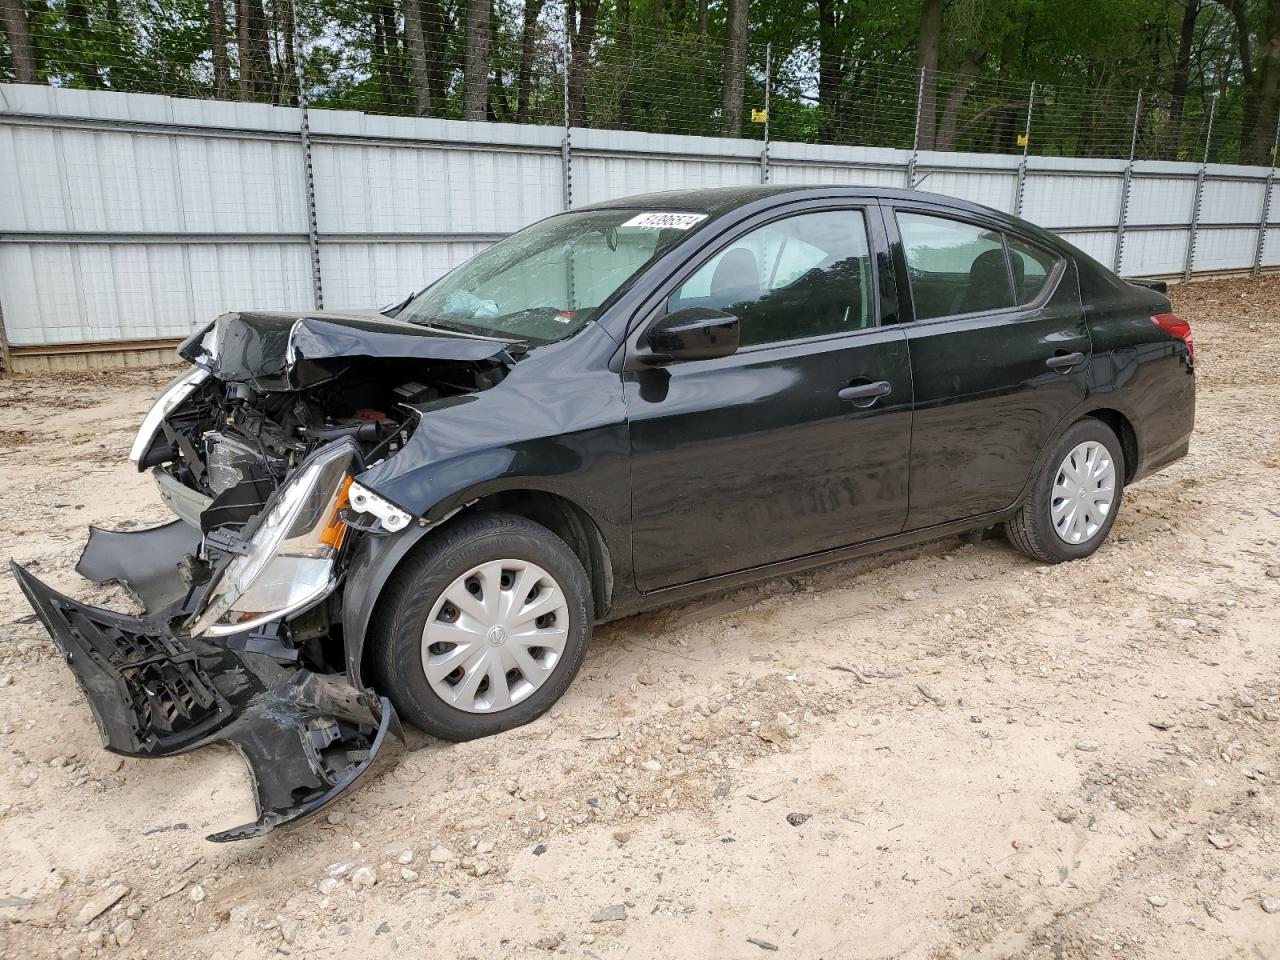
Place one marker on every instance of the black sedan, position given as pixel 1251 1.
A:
pixel 420 513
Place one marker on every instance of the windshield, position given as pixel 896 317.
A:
pixel 550 279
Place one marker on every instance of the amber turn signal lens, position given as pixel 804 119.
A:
pixel 335 530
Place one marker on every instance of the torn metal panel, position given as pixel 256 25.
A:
pixel 306 737
pixel 264 345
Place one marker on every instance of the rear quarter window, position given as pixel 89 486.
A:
pixel 1033 267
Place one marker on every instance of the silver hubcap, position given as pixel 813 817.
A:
pixel 1084 492
pixel 495 636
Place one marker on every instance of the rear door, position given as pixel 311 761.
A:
pixel 800 441
pixel 999 356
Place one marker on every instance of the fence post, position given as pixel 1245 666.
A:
pixel 1266 203
pixel 6 364
pixel 566 146
pixel 308 174
pixel 1195 207
pixel 915 140
pixel 1124 190
pixel 768 89
pixel 1026 143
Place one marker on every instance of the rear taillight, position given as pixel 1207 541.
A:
pixel 1175 326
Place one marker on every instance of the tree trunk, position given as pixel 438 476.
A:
pixel 528 47
pixel 287 82
pixel 380 55
pixel 414 40
pixel 735 68
pixel 475 63
pixel 218 44
pixel 255 55
pixel 927 59
pixel 1181 76
pixel 437 27
pixel 1262 92
pixel 946 136
pixel 396 94
pixel 78 22
pixel 13 16
pixel 702 18
pixel 584 37
pixel 830 56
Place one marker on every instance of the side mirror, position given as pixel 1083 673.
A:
pixel 694 333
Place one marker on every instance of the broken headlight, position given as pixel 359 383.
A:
pixel 173 396
pixel 287 564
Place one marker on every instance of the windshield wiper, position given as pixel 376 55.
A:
pixel 442 325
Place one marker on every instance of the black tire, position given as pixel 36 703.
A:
pixel 1032 532
pixel 395 637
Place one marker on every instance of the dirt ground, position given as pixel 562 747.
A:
pixel 945 752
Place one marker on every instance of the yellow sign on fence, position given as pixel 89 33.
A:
pixel 1022 139
pixel 759 116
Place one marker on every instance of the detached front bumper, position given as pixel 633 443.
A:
pixel 305 736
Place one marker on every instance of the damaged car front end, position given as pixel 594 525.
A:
pixel 258 447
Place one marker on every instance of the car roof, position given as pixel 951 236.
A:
pixel 718 201
pixel 723 199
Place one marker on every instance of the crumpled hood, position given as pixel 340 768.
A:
pixel 303 348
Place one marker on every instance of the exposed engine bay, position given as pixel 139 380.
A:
pixel 258 447
pixel 234 444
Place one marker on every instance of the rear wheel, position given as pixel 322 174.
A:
pixel 1073 502
pixel 483 628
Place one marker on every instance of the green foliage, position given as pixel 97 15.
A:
pixel 840 71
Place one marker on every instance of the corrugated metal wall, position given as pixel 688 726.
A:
pixel 131 217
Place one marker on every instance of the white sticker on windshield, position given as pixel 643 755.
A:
pixel 666 221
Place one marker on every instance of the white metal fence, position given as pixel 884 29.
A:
pixel 131 218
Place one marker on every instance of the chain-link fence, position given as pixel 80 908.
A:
pixel 542 61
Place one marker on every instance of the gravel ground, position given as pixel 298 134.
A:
pixel 945 752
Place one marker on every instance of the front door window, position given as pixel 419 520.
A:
pixel 805 276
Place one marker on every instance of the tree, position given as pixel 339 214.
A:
pixel 735 68
pixel 218 48
pixel 415 42
pixel 582 16
pixel 843 71
pixel 1181 77
pixel 475 69
pixel 17 30
pixel 1261 76
pixel 386 46
pixel 528 46
pixel 255 52
pixel 927 60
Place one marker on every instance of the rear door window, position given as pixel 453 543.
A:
pixel 955 267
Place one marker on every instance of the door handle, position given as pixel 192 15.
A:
pixel 1064 361
pixel 866 391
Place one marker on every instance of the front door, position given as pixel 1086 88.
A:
pixel 999 356
pixel 798 443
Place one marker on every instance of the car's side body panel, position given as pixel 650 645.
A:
pixel 727 454
pixel 1138 370
pixel 986 403
pixel 562 414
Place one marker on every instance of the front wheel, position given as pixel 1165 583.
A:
pixel 1073 502
pixel 482 628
